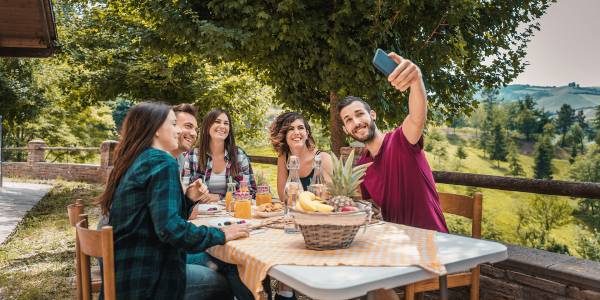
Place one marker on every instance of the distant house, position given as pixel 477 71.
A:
pixel 27 28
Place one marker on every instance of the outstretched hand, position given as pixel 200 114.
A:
pixel 406 73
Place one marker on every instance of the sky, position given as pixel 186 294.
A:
pixel 567 47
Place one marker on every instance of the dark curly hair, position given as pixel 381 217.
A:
pixel 280 127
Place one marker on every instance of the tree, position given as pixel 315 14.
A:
pixel 539 217
pixel 498 147
pixel 596 121
pixel 515 167
pixel 458 122
pixel 119 113
pixel 580 120
pixel 586 168
pixel 526 119
pixel 544 153
pixel 573 154
pixel 315 53
pixel 485 139
pixel 589 245
pixel 106 55
pixel 543 119
pixel 440 151
pixel 460 154
pixel 21 97
pixel 437 145
pixel 575 137
pixel 564 120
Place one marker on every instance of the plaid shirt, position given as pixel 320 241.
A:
pixel 191 170
pixel 151 233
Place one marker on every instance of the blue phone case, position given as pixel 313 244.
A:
pixel 383 63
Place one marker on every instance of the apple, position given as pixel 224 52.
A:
pixel 348 208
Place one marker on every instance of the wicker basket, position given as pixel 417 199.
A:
pixel 329 231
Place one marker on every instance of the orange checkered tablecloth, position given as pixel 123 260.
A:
pixel 388 245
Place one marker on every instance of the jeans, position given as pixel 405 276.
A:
pixel 229 271
pixel 204 283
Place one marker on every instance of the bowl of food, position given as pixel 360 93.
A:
pixel 268 210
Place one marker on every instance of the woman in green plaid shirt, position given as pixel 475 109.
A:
pixel 148 212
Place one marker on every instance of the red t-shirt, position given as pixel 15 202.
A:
pixel 401 183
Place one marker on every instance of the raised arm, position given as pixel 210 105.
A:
pixel 407 75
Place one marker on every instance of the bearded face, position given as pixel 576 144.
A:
pixel 358 122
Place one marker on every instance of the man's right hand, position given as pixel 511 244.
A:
pixel 196 190
pixel 237 231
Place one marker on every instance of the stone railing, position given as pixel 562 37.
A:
pixel 36 166
pixel 526 274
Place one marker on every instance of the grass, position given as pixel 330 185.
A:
pixel 499 206
pixel 37 261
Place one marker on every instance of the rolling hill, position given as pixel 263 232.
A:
pixel 551 98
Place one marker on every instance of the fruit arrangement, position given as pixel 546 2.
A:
pixel 342 187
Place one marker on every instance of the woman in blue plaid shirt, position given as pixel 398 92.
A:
pixel 216 159
pixel 148 212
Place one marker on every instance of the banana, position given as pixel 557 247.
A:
pixel 323 207
pixel 306 196
pixel 298 207
pixel 307 204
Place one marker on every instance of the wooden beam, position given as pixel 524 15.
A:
pixel 517 184
pixel 23 43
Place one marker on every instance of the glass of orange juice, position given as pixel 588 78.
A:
pixel 263 195
pixel 243 209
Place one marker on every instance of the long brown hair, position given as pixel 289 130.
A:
pixel 280 127
pixel 137 134
pixel 204 145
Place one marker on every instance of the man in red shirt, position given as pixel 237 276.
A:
pixel 399 180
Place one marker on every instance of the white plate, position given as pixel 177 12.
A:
pixel 264 214
pixel 209 208
pixel 220 222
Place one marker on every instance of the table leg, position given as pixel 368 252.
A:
pixel 443 287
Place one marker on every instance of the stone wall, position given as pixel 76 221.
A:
pixel 37 168
pixel 532 274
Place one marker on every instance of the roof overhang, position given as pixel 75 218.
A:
pixel 27 28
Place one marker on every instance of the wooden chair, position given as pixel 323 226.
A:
pixel 75 211
pixel 96 243
pixel 469 207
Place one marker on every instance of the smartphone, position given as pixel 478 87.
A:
pixel 383 62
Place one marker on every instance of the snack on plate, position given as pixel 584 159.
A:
pixel 269 207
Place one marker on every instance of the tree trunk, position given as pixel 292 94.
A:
pixel 338 137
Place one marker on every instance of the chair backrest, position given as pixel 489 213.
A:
pixel 96 243
pixel 468 207
pixel 75 210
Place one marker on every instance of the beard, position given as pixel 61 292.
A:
pixel 370 135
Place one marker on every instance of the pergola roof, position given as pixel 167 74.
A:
pixel 27 28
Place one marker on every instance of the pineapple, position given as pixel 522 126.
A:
pixel 261 178
pixel 345 180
